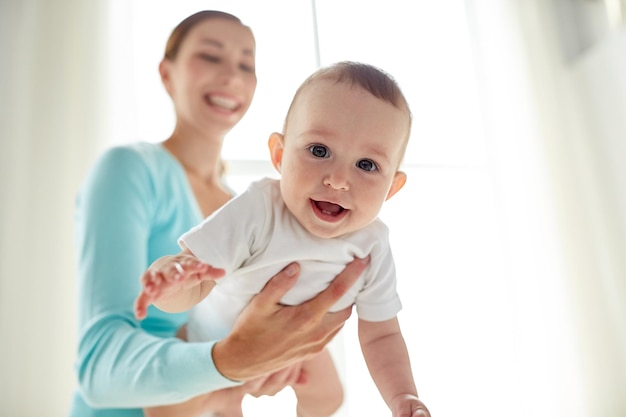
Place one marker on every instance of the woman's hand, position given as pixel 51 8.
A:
pixel 269 336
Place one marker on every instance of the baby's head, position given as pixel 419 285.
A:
pixel 341 148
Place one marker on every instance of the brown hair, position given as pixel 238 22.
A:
pixel 368 77
pixel 180 32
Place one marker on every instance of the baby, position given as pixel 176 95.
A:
pixel 339 156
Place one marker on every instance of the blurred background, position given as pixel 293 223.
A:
pixel 510 236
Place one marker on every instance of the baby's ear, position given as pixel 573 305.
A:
pixel 275 143
pixel 398 182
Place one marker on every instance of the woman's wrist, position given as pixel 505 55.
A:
pixel 222 357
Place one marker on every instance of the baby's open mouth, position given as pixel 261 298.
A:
pixel 330 209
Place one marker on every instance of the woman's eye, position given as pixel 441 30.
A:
pixel 319 151
pixel 247 68
pixel 367 165
pixel 210 58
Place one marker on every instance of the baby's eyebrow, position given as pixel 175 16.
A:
pixel 378 152
pixel 318 132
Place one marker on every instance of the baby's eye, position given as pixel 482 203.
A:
pixel 367 165
pixel 319 151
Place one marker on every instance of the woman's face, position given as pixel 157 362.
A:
pixel 212 79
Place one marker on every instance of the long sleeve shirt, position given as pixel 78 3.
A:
pixel 131 209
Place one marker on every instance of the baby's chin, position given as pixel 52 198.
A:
pixel 331 231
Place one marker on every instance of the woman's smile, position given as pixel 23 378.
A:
pixel 222 102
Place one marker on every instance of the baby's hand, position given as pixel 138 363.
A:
pixel 407 405
pixel 174 280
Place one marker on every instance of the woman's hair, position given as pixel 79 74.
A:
pixel 368 77
pixel 180 32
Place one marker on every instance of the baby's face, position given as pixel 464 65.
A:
pixel 340 159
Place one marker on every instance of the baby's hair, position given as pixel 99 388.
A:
pixel 368 77
pixel 180 32
pixel 374 80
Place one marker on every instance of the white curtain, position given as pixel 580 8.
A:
pixel 557 140
pixel 52 114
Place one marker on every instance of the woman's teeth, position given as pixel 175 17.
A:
pixel 223 102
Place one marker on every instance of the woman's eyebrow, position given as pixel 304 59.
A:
pixel 213 42
pixel 218 44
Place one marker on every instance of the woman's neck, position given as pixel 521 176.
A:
pixel 199 155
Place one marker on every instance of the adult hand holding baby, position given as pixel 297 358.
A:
pixel 269 336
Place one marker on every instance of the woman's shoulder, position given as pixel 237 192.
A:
pixel 137 163
pixel 146 157
pixel 146 151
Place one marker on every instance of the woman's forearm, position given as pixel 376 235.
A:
pixel 119 365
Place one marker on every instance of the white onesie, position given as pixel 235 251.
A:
pixel 254 236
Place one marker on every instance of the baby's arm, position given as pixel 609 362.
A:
pixel 175 283
pixel 388 362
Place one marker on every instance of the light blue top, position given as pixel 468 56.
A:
pixel 131 209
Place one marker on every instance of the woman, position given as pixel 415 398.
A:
pixel 135 203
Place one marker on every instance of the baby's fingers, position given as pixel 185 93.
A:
pixel 192 268
pixel 153 282
pixel 142 302
pixel 189 264
pixel 146 278
pixel 210 273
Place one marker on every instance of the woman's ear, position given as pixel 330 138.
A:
pixel 165 75
pixel 398 182
pixel 275 143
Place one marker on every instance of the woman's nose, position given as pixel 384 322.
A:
pixel 228 72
